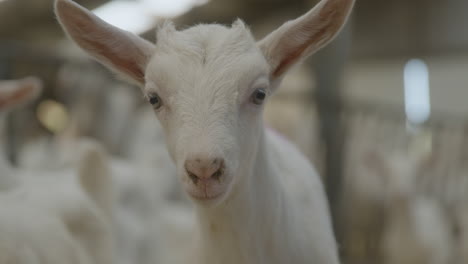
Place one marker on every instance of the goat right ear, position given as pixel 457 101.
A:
pixel 119 50
pixel 297 39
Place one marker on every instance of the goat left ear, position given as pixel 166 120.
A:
pixel 299 38
pixel 119 50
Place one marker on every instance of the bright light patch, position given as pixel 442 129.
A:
pixel 171 8
pixel 53 115
pixel 126 15
pixel 139 16
pixel 417 91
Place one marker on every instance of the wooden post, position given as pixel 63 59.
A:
pixel 329 67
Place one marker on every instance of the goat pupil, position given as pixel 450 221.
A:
pixel 260 95
pixel 154 100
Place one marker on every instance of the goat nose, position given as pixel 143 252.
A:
pixel 204 169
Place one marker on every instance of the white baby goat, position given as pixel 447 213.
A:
pixel 258 200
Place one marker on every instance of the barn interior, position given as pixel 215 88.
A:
pixel 381 112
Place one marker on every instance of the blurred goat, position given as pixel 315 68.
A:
pixel 54 217
pixel 13 94
pixel 416 227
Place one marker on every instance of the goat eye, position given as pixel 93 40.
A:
pixel 258 97
pixel 155 101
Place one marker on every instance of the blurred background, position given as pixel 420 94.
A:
pixel 381 112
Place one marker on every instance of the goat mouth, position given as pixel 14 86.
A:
pixel 205 194
pixel 205 197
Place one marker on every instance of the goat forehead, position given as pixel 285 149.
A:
pixel 207 59
pixel 202 41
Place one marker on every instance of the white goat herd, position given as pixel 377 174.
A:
pixel 256 197
pixel 53 217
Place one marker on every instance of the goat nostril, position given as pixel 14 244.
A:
pixel 217 175
pixel 193 177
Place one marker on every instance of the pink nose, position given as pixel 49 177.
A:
pixel 204 169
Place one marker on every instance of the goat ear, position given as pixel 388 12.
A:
pixel 95 175
pixel 15 93
pixel 119 50
pixel 299 38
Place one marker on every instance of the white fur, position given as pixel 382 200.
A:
pixel 272 207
